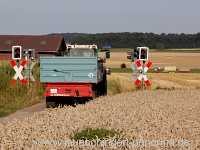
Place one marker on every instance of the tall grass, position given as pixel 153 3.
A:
pixel 119 85
pixel 14 97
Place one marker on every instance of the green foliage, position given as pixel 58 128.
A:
pixel 195 70
pixel 94 134
pixel 5 72
pixel 119 70
pixel 131 40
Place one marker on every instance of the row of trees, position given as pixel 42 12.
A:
pixel 130 40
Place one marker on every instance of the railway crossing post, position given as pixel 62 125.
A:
pixel 18 67
pixel 30 57
pixel 142 65
pixel 142 78
pixel 26 64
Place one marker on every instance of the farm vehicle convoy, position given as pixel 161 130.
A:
pixel 78 75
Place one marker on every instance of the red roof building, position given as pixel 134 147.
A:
pixel 43 45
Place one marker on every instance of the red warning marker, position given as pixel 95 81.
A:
pixel 147 66
pixel 138 82
pixel 138 64
pixel 18 72
pixel 146 80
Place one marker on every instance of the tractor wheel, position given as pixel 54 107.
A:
pixel 104 84
pixel 50 103
pixel 106 89
pixel 94 92
pixel 102 88
pixel 98 89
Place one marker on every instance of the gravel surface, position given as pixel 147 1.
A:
pixel 145 116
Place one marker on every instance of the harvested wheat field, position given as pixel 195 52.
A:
pixel 178 80
pixel 145 115
pixel 123 82
pixel 181 60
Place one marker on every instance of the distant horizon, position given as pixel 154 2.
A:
pixel 98 33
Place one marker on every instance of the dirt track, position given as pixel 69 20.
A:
pixel 23 113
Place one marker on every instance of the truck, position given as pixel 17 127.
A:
pixel 78 75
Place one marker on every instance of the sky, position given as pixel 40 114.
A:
pixel 99 16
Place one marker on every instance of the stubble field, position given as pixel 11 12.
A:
pixel 165 81
pixel 141 116
pixel 181 60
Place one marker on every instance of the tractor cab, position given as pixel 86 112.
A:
pixel 82 50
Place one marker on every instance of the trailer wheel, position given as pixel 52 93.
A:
pixel 50 103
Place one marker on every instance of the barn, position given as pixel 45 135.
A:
pixel 43 44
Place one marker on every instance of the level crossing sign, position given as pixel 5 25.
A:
pixel 18 71
pixel 143 69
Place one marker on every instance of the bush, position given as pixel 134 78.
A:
pixel 93 134
pixel 123 66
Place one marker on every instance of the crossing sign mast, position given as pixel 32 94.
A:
pixel 20 65
pixel 142 63
pixel 16 53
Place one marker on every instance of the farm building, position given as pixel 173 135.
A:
pixel 43 45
